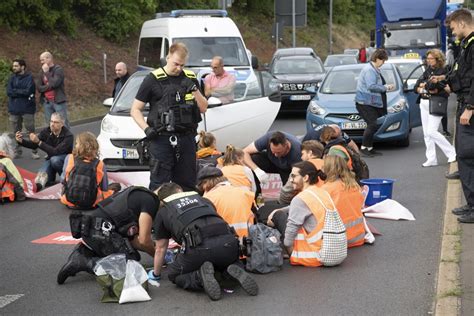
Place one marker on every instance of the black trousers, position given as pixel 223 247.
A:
pixel 280 218
pixel 221 251
pixel 370 115
pixel 465 156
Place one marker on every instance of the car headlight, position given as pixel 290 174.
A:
pixel 315 108
pixel 274 85
pixel 108 126
pixel 397 107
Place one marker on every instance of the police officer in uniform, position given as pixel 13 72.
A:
pixel 461 81
pixel 207 243
pixel 122 223
pixel 176 105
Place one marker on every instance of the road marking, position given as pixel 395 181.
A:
pixel 7 299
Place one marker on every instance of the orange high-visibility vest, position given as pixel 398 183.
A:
pixel 236 176
pixel 101 195
pixel 234 205
pixel 307 245
pixel 349 205
pixel 318 163
pixel 344 150
pixel 6 188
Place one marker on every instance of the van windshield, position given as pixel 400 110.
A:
pixel 202 49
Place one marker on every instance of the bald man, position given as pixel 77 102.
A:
pixel 122 77
pixel 219 83
pixel 50 85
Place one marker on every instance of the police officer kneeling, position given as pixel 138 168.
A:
pixel 207 243
pixel 121 224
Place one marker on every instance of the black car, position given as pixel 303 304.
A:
pixel 293 70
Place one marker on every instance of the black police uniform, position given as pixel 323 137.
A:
pixel 461 81
pixel 174 116
pixel 192 221
pixel 107 230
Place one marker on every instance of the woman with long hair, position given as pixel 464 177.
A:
pixel 235 170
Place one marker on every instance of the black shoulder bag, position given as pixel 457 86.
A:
pixel 438 105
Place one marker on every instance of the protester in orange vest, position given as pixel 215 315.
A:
pixel 11 181
pixel 235 170
pixel 346 194
pixel 84 157
pixel 232 203
pixel 207 154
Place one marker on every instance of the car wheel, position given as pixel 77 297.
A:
pixel 404 142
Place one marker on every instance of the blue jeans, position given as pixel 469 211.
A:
pixel 51 107
pixel 52 166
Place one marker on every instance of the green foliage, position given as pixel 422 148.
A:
pixel 5 72
pixel 169 5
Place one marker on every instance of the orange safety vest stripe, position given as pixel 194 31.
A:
pixel 349 205
pixel 318 163
pixel 236 176
pixel 7 191
pixel 234 205
pixel 306 246
pixel 101 195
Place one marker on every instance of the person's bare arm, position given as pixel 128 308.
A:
pixel 161 245
pixel 143 240
pixel 250 149
pixel 201 101
pixel 137 115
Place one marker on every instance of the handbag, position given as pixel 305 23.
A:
pixel 438 105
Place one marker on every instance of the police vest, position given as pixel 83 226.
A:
pixel 176 110
pixel 463 72
pixel 117 210
pixel 183 209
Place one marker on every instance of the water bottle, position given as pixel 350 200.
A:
pixel 259 200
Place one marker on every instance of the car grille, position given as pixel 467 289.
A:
pixel 125 164
pixel 354 132
pixel 123 143
pixel 296 86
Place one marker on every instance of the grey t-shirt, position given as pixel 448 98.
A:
pixel 299 215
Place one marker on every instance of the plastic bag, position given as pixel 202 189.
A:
pixel 133 291
pixel 114 265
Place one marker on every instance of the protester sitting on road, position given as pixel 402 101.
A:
pixel 312 151
pixel 207 240
pixel 207 154
pixel 57 141
pixel 235 170
pixel 345 192
pixel 274 152
pixel 315 134
pixel 219 83
pixel 232 203
pixel 84 176
pixel 11 181
pixel 121 224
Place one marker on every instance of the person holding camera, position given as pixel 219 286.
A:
pixel 176 105
pixel 432 90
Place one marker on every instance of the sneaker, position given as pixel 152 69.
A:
pixel 246 281
pixel 35 155
pixel 375 153
pixel 467 219
pixel 76 262
pixel 209 282
pixel 39 186
pixel 463 210
pixel 366 153
pixel 447 134
pixel 429 164
pixel 453 176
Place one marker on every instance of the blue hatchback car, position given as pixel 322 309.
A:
pixel 334 104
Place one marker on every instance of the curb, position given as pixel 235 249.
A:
pixel 448 289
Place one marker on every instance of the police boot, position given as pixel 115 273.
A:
pixel 209 282
pixel 79 260
pixel 245 280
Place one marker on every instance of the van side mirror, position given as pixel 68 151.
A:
pixel 254 62
pixel 108 102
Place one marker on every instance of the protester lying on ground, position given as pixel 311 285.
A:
pixel 121 224
pixel 84 176
pixel 232 203
pixel 57 141
pixel 315 134
pixel 346 194
pixel 312 151
pixel 305 218
pixel 208 243
pixel 235 170
pixel 11 181
pixel 207 154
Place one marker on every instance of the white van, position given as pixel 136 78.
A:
pixel 206 33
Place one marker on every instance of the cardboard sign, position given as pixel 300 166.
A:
pixel 60 238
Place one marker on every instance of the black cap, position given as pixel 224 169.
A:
pixel 209 172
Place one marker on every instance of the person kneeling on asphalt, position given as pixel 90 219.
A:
pixel 121 224
pixel 207 243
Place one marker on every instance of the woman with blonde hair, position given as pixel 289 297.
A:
pixel 235 170
pixel 11 181
pixel 429 88
pixel 345 192
pixel 84 176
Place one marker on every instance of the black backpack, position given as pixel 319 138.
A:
pixel 81 187
pixel 209 161
pixel 359 166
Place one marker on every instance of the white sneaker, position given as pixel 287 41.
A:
pixel 35 156
pixel 452 159
pixel 430 164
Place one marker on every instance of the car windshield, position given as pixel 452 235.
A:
pixel 332 61
pixel 203 49
pixel 297 66
pixel 427 37
pixel 407 68
pixel 124 100
pixel 344 81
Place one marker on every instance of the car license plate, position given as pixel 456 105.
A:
pixel 129 153
pixel 354 125
pixel 300 97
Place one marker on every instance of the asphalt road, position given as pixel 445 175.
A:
pixel 396 276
